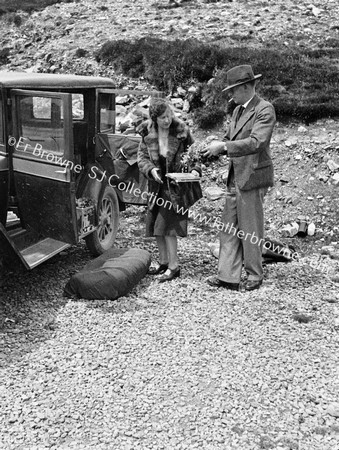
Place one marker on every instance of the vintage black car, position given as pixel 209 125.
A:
pixel 64 171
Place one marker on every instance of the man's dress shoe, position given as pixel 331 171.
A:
pixel 251 285
pixel 215 282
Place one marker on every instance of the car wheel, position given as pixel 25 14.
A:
pixel 104 236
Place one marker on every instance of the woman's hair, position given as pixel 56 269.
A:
pixel 157 107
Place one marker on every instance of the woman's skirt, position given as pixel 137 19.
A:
pixel 164 219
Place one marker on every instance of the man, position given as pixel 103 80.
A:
pixel 247 143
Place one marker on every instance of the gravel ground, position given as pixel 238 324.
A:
pixel 178 365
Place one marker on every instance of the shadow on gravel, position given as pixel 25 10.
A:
pixel 138 299
pixel 30 301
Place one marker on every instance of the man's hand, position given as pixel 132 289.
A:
pixel 155 175
pixel 213 149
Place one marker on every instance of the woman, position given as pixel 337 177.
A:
pixel 165 140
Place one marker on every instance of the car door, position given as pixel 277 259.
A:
pixel 43 165
pixel 117 152
pixel 4 170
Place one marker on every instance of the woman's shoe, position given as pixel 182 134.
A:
pixel 158 270
pixel 170 274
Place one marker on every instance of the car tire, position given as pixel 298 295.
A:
pixel 104 236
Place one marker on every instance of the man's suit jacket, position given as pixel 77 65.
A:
pixel 248 145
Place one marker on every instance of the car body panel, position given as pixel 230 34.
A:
pixel 58 151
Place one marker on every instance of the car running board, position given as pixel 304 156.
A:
pixel 41 251
pixel 31 255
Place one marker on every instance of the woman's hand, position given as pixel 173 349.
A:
pixel 155 175
pixel 195 173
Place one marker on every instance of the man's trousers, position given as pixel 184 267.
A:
pixel 242 238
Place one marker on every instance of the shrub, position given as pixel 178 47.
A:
pixel 81 52
pixel 27 5
pixel 301 83
pixel 209 116
pixel 124 56
pixel 298 84
pixel 165 64
pixel 4 55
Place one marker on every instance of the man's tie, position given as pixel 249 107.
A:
pixel 239 113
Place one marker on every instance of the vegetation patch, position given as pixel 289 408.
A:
pixel 166 64
pixel 26 5
pixel 301 83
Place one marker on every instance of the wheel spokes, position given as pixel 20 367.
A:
pixel 105 220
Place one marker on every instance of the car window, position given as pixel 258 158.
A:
pixel 42 107
pixel 78 111
pixel 107 112
pixel 40 125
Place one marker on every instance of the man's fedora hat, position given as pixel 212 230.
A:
pixel 240 75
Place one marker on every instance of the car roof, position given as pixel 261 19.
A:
pixel 24 80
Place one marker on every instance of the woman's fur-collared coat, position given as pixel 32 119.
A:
pixel 179 139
